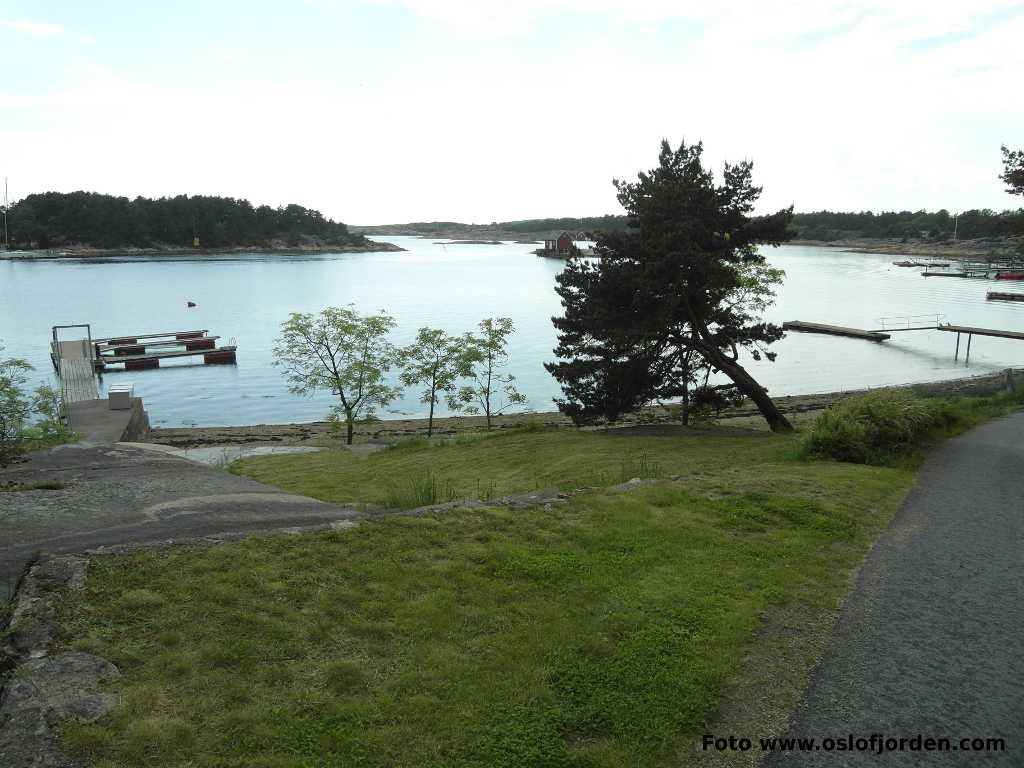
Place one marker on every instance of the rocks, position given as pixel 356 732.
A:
pixel 41 693
pixel 43 689
pixel 34 613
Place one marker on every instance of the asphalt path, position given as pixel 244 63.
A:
pixel 931 641
pixel 124 495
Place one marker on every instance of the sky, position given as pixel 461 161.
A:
pixel 388 111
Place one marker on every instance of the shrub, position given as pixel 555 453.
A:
pixel 870 428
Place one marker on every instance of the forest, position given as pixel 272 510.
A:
pixel 55 219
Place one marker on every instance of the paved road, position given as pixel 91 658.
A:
pixel 119 494
pixel 931 640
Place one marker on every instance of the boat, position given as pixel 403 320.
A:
pixel 1010 276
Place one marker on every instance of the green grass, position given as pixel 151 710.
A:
pixel 605 631
pixel 883 426
pixel 503 463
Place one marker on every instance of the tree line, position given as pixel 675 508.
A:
pixel 56 219
pixel 938 226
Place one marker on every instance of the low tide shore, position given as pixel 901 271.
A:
pixel 800 409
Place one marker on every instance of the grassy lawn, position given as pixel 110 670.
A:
pixel 605 631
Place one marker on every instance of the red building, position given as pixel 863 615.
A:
pixel 560 248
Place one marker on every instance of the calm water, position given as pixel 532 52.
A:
pixel 245 298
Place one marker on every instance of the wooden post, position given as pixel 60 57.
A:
pixel 967 357
pixel 956 355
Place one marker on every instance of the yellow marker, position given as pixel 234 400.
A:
pixel 195 242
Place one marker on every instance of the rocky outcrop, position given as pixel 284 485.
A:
pixel 44 689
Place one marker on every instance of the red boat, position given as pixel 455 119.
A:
pixel 1010 276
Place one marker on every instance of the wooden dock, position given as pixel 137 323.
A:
pixel 152 359
pixel 834 330
pixel 982 332
pixel 77 380
pixel 1000 296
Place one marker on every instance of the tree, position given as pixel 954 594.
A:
pixel 492 392
pixel 436 360
pixel 344 353
pixel 1013 171
pixel 27 420
pixel 683 288
pixel 15 408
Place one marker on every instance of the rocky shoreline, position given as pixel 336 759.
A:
pixel 978 248
pixel 85 252
pixel 800 409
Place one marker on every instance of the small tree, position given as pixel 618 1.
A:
pixel 27 421
pixel 15 408
pixel 344 353
pixel 436 360
pixel 491 392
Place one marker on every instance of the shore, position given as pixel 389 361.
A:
pixel 978 248
pixel 96 253
pixel 800 409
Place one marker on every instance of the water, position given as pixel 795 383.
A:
pixel 453 287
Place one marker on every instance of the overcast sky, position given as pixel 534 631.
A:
pixel 382 111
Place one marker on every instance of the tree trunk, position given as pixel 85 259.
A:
pixel 348 438
pixel 430 421
pixel 776 421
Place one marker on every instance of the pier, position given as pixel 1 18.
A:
pixel 1000 296
pixel 834 330
pixel 907 324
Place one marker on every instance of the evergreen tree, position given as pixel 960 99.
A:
pixel 1013 171
pixel 680 290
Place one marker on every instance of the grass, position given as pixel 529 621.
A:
pixel 883 426
pixel 501 463
pixel 605 631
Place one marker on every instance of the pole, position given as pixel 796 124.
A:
pixel 956 355
pixel 7 242
pixel 967 358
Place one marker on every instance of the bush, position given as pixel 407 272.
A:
pixel 873 427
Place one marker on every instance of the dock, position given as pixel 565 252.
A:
pixel 145 350
pixel 132 362
pixel 1000 296
pixel 78 360
pixel 834 330
pixel 77 380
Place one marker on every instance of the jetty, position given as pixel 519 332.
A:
pixel 912 323
pixel 1000 296
pixel 834 330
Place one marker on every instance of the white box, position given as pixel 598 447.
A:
pixel 120 396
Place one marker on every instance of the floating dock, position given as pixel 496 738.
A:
pixel 76 361
pixel 999 296
pixel 834 330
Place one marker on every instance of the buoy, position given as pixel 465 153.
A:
pixel 191 303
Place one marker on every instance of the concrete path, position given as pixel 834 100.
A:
pixel 931 641
pixel 124 494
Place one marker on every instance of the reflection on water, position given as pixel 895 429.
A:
pixel 454 287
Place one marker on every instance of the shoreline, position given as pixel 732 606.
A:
pixel 102 253
pixel 800 409
pixel 984 246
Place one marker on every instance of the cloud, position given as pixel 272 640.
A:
pixel 33 28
